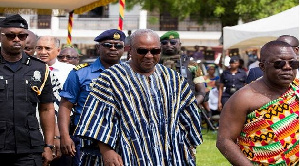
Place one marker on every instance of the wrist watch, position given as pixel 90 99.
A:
pixel 49 146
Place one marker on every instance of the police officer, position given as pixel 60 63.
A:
pixel 232 79
pixel 172 57
pixel 24 84
pixel 77 88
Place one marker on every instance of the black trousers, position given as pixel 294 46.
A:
pixel 27 159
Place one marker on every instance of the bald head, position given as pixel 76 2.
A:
pixel 291 40
pixel 30 43
pixel 69 55
pixel 273 48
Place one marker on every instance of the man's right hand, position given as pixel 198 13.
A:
pixel 67 146
pixel 110 157
pixel 220 106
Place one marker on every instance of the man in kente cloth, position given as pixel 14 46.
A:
pixel 259 124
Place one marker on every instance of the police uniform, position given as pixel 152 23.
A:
pixel 254 74
pixel 78 85
pixel 23 84
pixel 232 82
pixel 19 128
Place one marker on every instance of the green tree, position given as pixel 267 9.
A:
pixel 250 10
pixel 228 11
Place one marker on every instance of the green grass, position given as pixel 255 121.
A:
pixel 207 153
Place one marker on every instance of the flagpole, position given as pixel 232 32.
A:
pixel 121 14
pixel 70 25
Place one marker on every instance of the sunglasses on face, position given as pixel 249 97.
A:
pixel 144 51
pixel 281 64
pixel 172 42
pixel 12 36
pixel 110 45
pixel 66 56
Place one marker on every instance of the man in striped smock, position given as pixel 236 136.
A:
pixel 141 112
pixel 259 124
pixel 110 48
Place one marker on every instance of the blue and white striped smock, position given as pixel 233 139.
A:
pixel 148 120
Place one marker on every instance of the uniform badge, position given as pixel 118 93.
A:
pixel 171 37
pixel 80 66
pixel 36 76
pixel 22 25
pixel 92 83
pixel 116 36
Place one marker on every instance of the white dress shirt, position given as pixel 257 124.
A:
pixel 62 70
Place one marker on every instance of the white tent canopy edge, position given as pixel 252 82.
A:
pixel 259 32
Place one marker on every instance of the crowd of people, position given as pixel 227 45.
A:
pixel 148 110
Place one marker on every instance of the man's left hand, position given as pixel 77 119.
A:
pixel 47 156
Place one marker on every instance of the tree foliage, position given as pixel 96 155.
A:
pixel 228 11
pixel 250 10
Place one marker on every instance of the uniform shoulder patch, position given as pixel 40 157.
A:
pixel 80 66
pixel 37 59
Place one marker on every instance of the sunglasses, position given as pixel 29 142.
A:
pixel 144 51
pixel 12 36
pixel 110 45
pixel 172 42
pixel 66 56
pixel 280 64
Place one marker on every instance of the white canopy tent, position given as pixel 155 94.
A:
pixel 259 32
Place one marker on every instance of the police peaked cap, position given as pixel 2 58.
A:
pixel 111 34
pixel 234 59
pixel 170 35
pixel 15 21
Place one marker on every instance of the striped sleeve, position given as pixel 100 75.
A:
pixel 99 117
pixel 189 118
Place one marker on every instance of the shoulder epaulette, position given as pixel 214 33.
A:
pixel 80 66
pixel 37 59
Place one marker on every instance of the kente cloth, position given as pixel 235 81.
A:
pixel 270 135
pixel 149 121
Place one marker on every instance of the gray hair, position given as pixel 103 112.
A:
pixel 141 32
pixel 55 39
